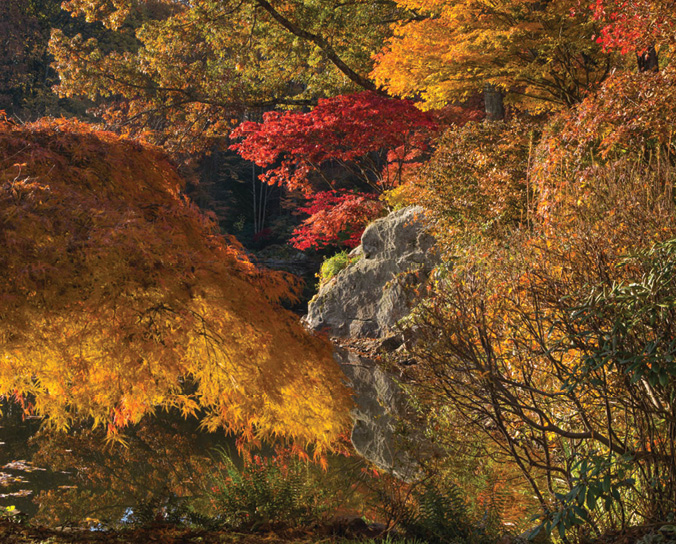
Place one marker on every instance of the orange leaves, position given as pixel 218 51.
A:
pixel 538 51
pixel 119 292
pixel 476 181
pixel 630 111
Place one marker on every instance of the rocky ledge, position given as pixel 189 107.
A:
pixel 359 309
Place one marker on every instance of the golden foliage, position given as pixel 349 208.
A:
pixel 535 50
pixel 118 297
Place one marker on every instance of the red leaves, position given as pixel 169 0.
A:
pixel 372 137
pixel 636 25
pixel 344 128
pixel 336 218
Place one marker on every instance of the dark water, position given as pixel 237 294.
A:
pixel 20 480
pixel 76 478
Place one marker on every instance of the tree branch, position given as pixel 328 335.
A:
pixel 320 42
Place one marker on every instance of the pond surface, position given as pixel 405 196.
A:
pixel 76 478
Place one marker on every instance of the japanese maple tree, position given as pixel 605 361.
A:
pixel 346 129
pixel 371 138
pixel 336 217
pixel 119 297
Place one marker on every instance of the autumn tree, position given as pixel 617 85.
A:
pixel 477 180
pixel 341 155
pixel 119 298
pixel 535 51
pixel 191 69
pixel 562 376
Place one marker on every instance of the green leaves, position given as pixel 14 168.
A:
pixel 597 483
pixel 631 324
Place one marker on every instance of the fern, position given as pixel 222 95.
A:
pixel 276 490
pixel 437 513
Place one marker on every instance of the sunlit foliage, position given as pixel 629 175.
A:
pixel 537 51
pixel 554 337
pixel 477 179
pixel 358 146
pixel 634 27
pixel 118 298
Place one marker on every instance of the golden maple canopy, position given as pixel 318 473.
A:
pixel 119 297
pixel 541 53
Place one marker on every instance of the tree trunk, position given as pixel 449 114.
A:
pixel 648 60
pixel 493 103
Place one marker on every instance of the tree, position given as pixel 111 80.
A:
pixel 119 298
pixel 192 68
pixel 26 75
pixel 477 180
pixel 370 138
pixel 639 27
pixel 534 50
pixel 22 66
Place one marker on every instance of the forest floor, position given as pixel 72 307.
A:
pixel 16 533
pixel 24 533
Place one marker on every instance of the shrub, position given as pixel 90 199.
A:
pixel 433 510
pixel 332 266
pixel 269 491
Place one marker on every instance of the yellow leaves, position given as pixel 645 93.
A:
pixel 511 43
pixel 135 298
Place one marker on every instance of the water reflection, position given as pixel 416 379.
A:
pixel 61 479
pixel 20 479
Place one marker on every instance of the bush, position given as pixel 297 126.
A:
pixel 270 491
pixel 332 266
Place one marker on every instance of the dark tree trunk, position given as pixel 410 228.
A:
pixel 495 108
pixel 648 60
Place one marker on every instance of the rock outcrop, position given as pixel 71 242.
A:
pixel 368 298
pixel 359 309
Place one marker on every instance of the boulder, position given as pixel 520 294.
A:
pixel 378 401
pixel 359 309
pixel 369 297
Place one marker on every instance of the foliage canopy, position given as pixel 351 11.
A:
pixel 538 51
pixel 119 298
pixel 190 68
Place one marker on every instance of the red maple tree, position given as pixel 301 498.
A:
pixel 371 138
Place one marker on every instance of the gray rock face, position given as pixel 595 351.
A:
pixel 367 299
pixel 378 399
pixel 364 302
